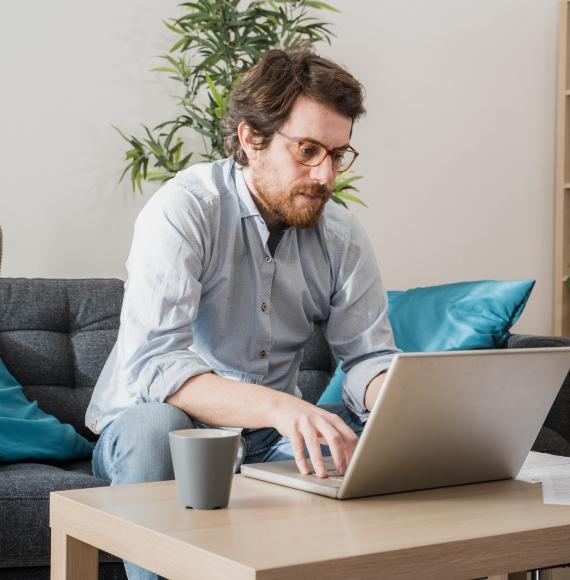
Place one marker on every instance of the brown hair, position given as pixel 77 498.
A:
pixel 265 94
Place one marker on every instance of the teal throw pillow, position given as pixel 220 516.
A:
pixel 333 392
pixel 460 316
pixel 27 433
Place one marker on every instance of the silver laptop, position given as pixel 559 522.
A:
pixel 442 419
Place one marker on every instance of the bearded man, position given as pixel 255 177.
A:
pixel 231 265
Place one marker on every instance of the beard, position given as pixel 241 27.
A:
pixel 299 205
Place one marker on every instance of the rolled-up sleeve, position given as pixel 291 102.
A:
pixel 358 329
pixel 170 246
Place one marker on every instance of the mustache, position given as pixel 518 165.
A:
pixel 316 189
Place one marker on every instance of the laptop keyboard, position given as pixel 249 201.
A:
pixel 330 467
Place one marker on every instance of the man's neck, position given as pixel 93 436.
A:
pixel 272 221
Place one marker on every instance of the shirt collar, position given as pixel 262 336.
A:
pixel 246 204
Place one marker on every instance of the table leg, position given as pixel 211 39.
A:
pixel 72 559
pixel 541 574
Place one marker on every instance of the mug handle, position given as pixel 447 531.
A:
pixel 240 455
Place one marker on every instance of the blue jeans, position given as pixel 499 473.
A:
pixel 134 448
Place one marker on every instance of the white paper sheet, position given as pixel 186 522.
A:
pixel 556 489
pixel 553 471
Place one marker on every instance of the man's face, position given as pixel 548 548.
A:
pixel 287 192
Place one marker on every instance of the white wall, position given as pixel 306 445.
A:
pixel 457 149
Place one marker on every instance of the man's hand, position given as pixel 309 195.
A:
pixel 215 400
pixel 303 423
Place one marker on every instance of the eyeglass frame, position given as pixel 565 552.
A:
pixel 328 151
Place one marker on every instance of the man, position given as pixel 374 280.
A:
pixel 232 263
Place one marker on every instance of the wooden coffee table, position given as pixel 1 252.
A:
pixel 271 532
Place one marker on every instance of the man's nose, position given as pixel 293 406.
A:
pixel 323 173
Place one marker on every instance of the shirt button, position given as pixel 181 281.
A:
pixel 268 259
pixel 263 354
pixel 263 307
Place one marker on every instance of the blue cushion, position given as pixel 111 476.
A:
pixel 27 433
pixel 333 392
pixel 460 316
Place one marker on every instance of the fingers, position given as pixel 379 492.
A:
pixel 313 427
pixel 329 430
pixel 314 448
pixel 338 446
pixel 341 441
pixel 298 445
pixel 349 436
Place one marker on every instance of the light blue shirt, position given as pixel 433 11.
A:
pixel 203 294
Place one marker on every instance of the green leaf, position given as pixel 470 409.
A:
pixel 155 148
pixel 338 200
pixel 158 176
pixel 173 27
pixel 342 182
pixel 127 139
pixel 214 91
pixel 178 44
pixel 344 195
pixel 321 6
pixel 164 69
pixel 125 172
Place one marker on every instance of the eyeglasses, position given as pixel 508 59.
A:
pixel 311 153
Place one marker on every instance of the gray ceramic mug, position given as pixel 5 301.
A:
pixel 204 463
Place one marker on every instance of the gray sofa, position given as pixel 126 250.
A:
pixel 55 336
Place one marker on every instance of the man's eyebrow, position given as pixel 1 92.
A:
pixel 322 144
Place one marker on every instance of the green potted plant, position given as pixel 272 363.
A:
pixel 216 41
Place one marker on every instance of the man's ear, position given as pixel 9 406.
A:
pixel 247 140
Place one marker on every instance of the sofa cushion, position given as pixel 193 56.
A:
pixel 316 366
pixel 458 316
pixel 55 336
pixel 549 441
pixel 558 419
pixel 107 571
pixel 24 507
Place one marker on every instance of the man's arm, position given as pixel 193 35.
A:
pixel 358 329
pixel 162 295
pixel 373 389
pixel 212 399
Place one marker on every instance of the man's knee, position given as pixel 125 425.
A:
pixel 141 450
pixel 153 417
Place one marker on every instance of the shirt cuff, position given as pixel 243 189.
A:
pixel 357 380
pixel 171 375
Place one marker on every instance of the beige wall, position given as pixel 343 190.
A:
pixel 457 149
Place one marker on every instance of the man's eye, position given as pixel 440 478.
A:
pixel 308 150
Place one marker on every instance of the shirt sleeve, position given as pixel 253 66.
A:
pixel 358 329
pixel 162 294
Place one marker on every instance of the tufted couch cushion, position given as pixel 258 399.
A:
pixel 24 499
pixel 555 435
pixel 55 336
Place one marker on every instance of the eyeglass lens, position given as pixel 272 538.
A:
pixel 313 154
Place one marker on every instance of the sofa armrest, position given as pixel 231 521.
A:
pixel 555 434
pixel 534 341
